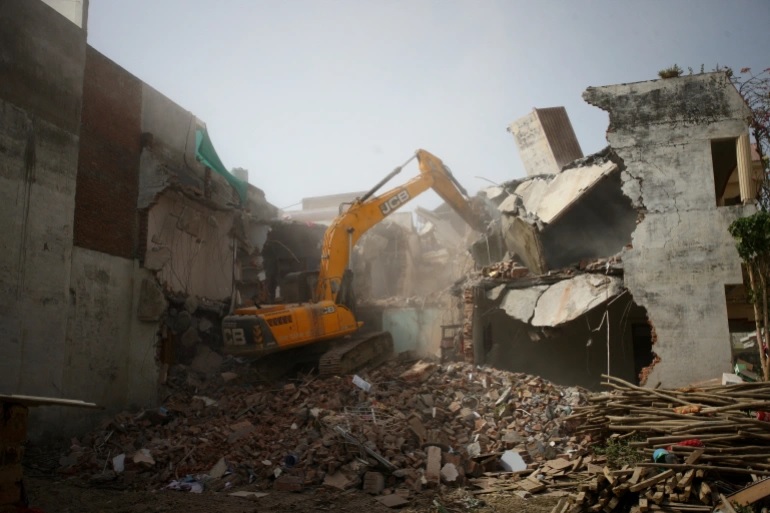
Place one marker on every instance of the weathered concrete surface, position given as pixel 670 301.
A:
pixel 40 99
pixel 110 356
pixel 569 299
pixel 520 303
pixel 43 60
pixel 682 255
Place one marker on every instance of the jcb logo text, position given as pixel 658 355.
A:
pixel 394 202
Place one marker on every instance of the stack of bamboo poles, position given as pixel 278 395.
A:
pixel 722 417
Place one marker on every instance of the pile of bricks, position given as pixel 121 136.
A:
pixel 506 270
pixel 418 425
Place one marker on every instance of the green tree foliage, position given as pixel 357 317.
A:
pixel 752 238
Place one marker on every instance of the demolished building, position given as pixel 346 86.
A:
pixel 127 240
pixel 618 262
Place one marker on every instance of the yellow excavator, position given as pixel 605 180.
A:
pixel 321 316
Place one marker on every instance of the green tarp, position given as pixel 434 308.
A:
pixel 207 155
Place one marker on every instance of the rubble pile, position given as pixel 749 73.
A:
pixel 402 427
pixel 505 270
pixel 697 447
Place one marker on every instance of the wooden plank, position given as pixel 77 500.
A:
pixel 594 469
pixel 751 494
pixel 637 475
pixel 560 506
pixel 531 485
pixel 693 457
pixel 652 481
pixel 732 470
pixel 608 474
pixel 643 504
pixel 686 479
pixel 577 464
pixel 496 489
pixel 657 497
pixel 726 505
pixel 611 505
pixel 704 495
pixel 558 463
pixel 621 489
pixel 29 400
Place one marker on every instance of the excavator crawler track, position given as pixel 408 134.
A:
pixel 353 354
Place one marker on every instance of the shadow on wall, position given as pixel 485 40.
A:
pixel 577 352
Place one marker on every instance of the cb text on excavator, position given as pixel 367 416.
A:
pixel 322 320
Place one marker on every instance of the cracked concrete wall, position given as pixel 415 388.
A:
pixel 682 255
pixel 190 247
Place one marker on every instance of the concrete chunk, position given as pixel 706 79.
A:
pixel 392 500
pixel 433 466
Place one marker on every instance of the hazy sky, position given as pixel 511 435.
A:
pixel 319 97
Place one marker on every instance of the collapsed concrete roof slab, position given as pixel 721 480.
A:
pixel 581 213
pixel 567 187
pixel 569 299
pixel 531 193
pixel 520 303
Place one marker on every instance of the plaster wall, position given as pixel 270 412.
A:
pixel 190 247
pixel 682 255
pixel 415 329
pixel 110 355
pixel 40 100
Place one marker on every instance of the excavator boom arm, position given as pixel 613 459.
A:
pixel 363 214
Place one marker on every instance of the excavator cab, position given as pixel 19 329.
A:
pixel 298 287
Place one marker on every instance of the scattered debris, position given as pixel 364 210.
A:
pixel 420 424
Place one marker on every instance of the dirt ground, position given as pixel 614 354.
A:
pixel 53 495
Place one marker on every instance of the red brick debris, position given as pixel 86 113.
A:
pixel 227 429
